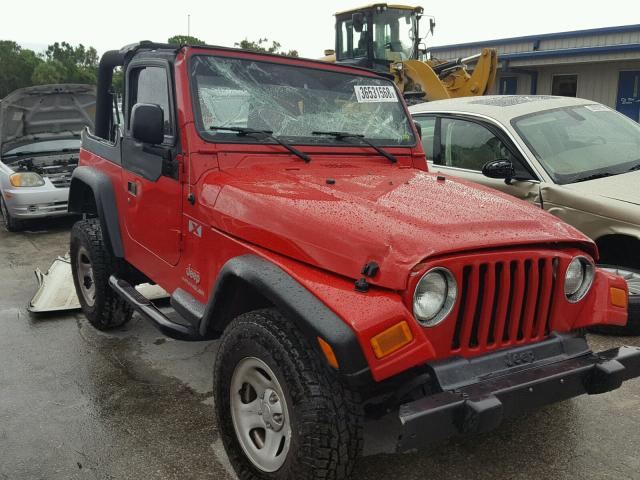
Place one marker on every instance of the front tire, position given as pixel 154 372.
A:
pixel 282 412
pixel 10 223
pixel 92 263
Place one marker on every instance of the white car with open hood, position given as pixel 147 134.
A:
pixel 39 147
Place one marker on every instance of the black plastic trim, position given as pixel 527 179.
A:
pixel 105 202
pixel 297 303
pixel 482 406
pixel 188 307
pixel 101 147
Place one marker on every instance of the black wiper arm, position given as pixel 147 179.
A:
pixel 635 167
pixel 267 134
pixel 595 176
pixel 363 139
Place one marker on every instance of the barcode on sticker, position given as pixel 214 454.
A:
pixel 379 93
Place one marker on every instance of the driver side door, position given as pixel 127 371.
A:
pixel 150 172
pixel 460 147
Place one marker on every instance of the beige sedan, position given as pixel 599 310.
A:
pixel 577 159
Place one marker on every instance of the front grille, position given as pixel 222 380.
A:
pixel 505 302
pixel 60 180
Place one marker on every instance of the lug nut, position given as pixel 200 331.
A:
pixel 277 417
pixel 273 399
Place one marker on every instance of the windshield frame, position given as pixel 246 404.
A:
pixel 234 139
pixel 570 179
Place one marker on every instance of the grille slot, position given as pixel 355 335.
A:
pixel 505 302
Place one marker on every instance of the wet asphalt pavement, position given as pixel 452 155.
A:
pixel 79 404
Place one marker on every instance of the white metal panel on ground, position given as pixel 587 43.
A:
pixel 56 292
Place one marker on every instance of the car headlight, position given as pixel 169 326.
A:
pixel 26 179
pixel 578 279
pixel 434 297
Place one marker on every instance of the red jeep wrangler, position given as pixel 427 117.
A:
pixel 285 205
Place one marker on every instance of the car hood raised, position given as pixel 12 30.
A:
pixel 623 187
pixel 338 219
pixel 45 112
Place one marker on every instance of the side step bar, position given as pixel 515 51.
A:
pixel 150 312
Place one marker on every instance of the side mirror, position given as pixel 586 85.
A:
pixel 147 123
pixel 419 128
pixel 503 169
pixel 357 19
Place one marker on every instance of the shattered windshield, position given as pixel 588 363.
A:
pixel 293 102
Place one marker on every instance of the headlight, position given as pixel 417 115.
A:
pixel 578 279
pixel 26 179
pixel 434 297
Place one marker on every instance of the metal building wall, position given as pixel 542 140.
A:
pixel 598 82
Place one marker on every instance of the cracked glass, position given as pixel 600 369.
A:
pixel 293 102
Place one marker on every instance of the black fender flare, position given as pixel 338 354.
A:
pixel 295 302
pixel 87 179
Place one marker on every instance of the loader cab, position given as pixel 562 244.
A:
pixel 378 35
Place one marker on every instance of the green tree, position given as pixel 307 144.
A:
pixel 262 45
pixel 17 65
pixel 185 40
pixel 51 71
pixel 80 63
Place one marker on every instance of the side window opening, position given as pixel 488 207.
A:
pixel 428 125
pixel 150 85
pixel 471 146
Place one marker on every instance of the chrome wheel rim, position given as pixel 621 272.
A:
pixel 260 415
pixel 86 280
pixel 632 278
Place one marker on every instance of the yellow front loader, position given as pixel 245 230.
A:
pixel 387 38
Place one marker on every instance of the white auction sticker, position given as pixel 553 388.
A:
pixel 378 93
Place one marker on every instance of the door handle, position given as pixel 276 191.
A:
pixel 132 188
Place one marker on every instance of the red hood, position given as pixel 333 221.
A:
pixel 394 216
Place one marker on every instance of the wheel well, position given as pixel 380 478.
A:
pixel 82 199
pixel 622 250
pixel 236 296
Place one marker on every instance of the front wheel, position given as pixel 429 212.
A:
pixel 283 414
pixel 92 263
pixel 10 223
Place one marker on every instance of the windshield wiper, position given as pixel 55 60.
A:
pixel 635 167
pixel 343 135
pixel 595 176
pixel 267 134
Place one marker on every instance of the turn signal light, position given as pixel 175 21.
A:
pixel 329 353
pixel 618 297
pixel 391 340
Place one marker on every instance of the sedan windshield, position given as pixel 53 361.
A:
pixel 292 102
pixel 581 143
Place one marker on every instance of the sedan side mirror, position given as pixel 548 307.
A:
pixel 499 169
pixel 147 123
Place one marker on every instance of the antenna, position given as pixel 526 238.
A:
pixel 188 24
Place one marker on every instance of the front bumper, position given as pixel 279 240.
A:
pixel 37 202
pixel 477 395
